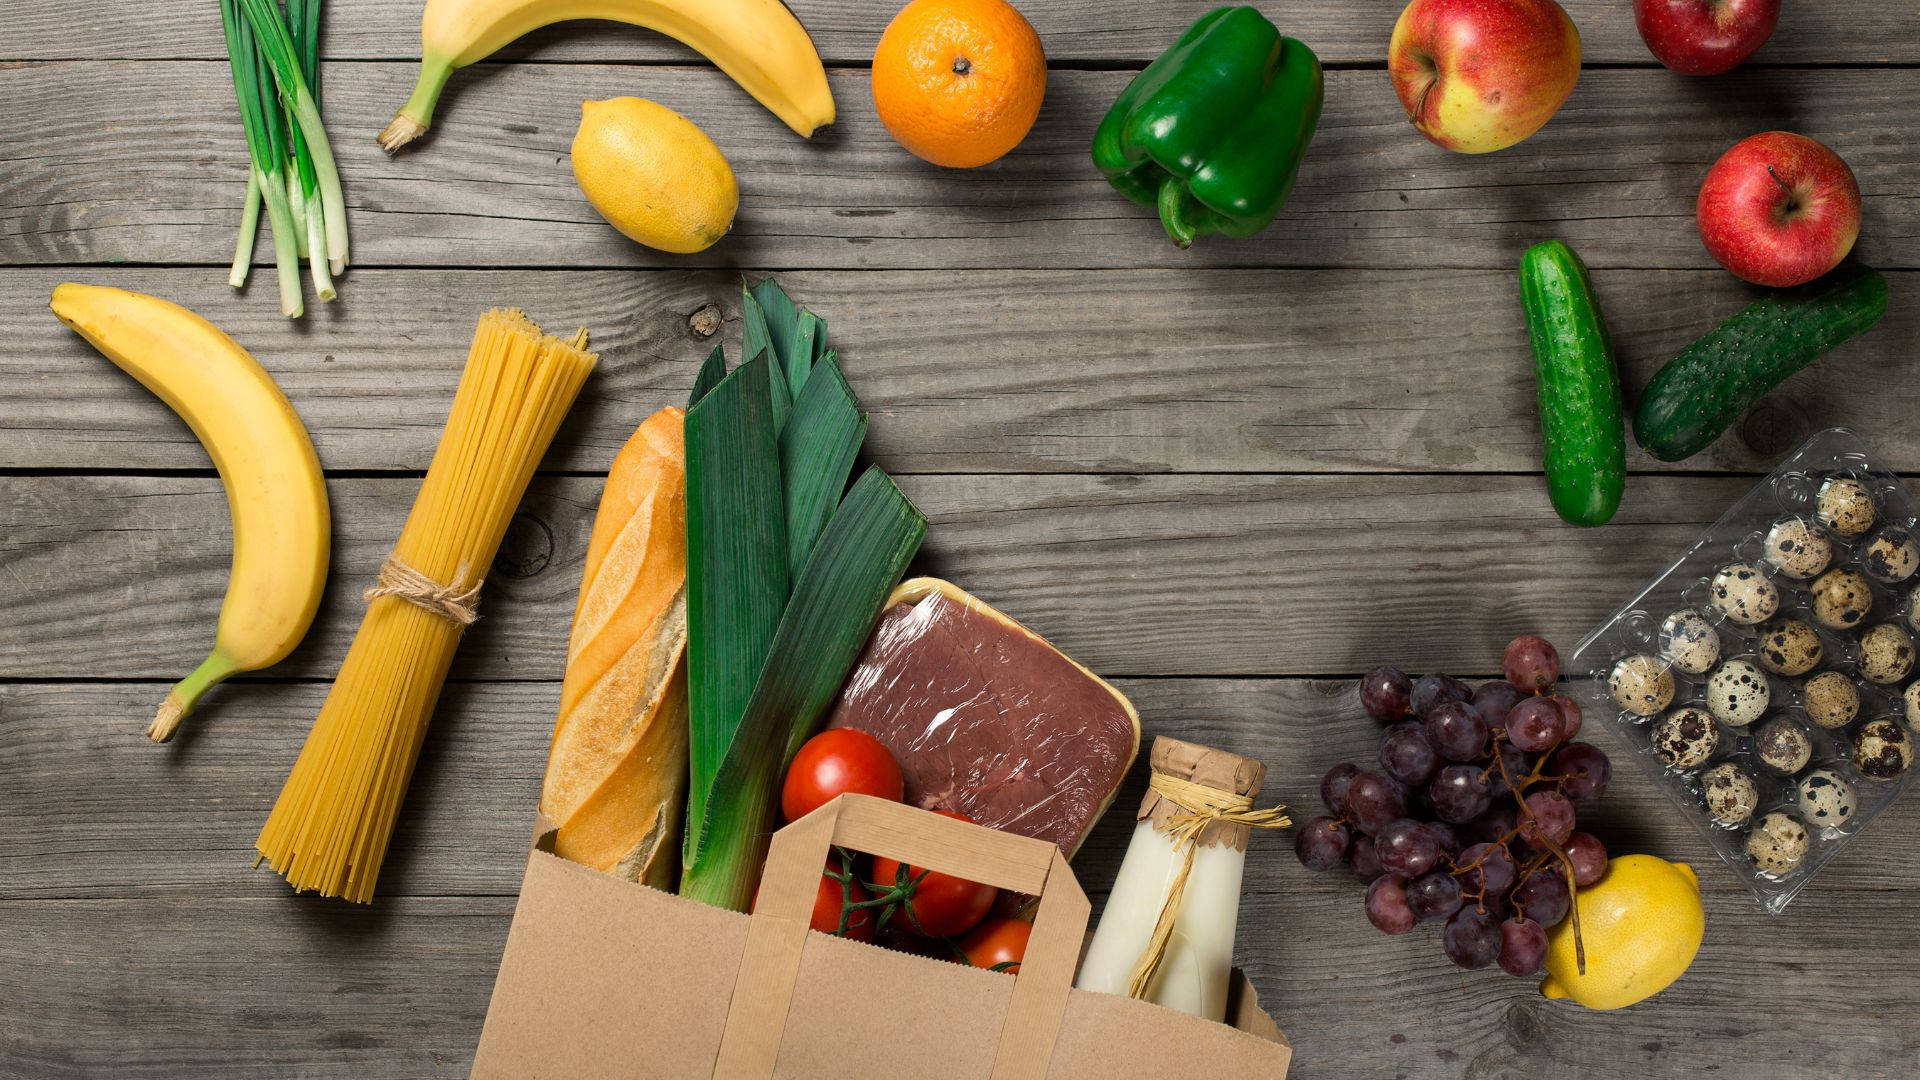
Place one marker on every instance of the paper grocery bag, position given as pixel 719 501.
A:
pixel 608 978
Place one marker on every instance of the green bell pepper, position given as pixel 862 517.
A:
pixel 1213 131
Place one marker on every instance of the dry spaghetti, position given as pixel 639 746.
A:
pixel 328 831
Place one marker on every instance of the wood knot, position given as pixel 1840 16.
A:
pixel 705 322
pixel 527 548
pixel 1773 427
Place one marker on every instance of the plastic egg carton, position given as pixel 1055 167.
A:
pixel 1740 536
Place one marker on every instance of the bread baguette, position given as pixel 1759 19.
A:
pixel 617 770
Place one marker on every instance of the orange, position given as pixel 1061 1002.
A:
pixel 959 82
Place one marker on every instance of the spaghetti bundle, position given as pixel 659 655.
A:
pixel 328 831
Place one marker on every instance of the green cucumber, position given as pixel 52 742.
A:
pixel 1583 433
pixel 1701 392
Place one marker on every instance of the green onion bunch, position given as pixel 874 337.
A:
pixel 275 57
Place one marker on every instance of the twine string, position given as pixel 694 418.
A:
pixel 450 602
pixel 1199 806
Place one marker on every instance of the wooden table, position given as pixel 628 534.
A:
pixel 1230 479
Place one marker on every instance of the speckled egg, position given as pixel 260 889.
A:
pixel 1778 843
pixel 1841 599
pixel 1831 699
pixel 1789 647
pixel 1690 642
pixel 1743 594
pixel 1886 654
pixel 1882 751
pixel 1845 506
pixel 1737 692
pixel 1641 684
pixel 1913 609
pixel 1783 746
pixel 1826 799
pixel 1891 557
pixel 1797 549
pixel 1730 793
pixel 1686 737
pixel 1913 705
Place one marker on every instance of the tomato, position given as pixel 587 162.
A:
pixel 826 908
pixel 996 942
pixel 936 904
pixel 834 762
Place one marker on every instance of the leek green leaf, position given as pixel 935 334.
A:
pixel 817 448
pixel 711 372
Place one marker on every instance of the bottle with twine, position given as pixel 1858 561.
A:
pixel 1167 933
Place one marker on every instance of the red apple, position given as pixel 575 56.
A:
pixel 1779 209
pixel 1480 75
pixel 1705 37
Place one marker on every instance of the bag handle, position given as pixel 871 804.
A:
pixel 777 932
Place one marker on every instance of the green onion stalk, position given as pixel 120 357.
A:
pixel 266 178
pixel 276 45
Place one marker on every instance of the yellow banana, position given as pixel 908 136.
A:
pixel 276 494
pixel 758 43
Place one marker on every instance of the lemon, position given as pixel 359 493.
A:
pixel 654 175
pixel 1642 923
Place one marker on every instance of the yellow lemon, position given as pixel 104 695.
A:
pixel 1642 923
pixel 654 175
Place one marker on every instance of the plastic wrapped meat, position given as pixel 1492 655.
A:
pixel 986 718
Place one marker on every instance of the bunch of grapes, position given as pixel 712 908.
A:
pixel 1469 819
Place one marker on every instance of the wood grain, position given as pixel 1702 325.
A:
pixel 1116 31
pixel 152 883
pixel 121 576
pixel 1615 175
pixel 1021 371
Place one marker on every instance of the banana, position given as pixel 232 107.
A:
pixel 275 491
pixel 758 43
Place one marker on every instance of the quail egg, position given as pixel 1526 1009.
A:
pixel 1841 598
pixel 1797 549
pixel 1826 800
pixel 1891 557
pixel 1689 641
pixel 1778 843
pixel 1789 647
pixel 1742 593
pixel 1686 737
pixel 1886 654
pixel 1730 794
pixel 1641 684
pixel 1913 705
pixel 1784 746
pixel 1913 609
pixel 1831 699
pixel 1845 506
pixel 1883 751
pixel 1737 692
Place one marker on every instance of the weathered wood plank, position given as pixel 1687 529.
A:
pixel 197 966
pixel 1615 174
pixel 122 576
pixel 1028 371
pixel 845 32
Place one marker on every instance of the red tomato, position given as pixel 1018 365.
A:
pixel 937 904
pixel 834 762
pixel 996 942
pixel 826 909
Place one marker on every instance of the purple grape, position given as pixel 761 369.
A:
pixel 1535 724
pixel 1584 771
pixel 1491 827
pixel 1333 787
pixel 1460 793
pixel 1494 699
pixel 1385 692
pixel 1472 938
pixel 1552 819
pixel 1588 856
pixel 1406 848
pixel 1406 755
pixel 1431 690
pixel 1446 836
pixel 1517 769
pixel 1321 843
pixel 1543 895
pixel 1387 907
pixel 1493 874
pixel 1456 730
pixel 1365 859
pixel 1531 663
pixel 1570 713
pixel 1523 946
pixel 1434 895
pixel 1373 800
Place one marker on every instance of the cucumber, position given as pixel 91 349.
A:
pixel 1701 392
pixel 1583 433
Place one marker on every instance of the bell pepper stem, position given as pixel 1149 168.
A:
pixel 1173 212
